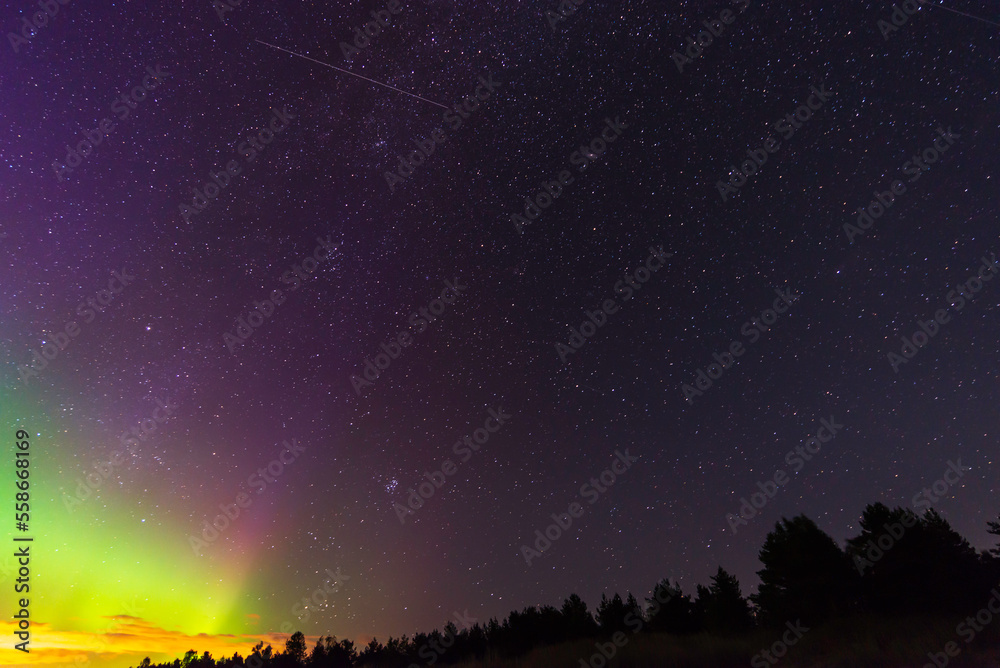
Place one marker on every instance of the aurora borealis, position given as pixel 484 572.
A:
pixel 229 289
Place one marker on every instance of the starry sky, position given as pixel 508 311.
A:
pixel 116 572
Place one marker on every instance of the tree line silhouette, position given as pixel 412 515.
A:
pixel 900 563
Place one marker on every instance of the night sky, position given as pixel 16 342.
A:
pixel 366 262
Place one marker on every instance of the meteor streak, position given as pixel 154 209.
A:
pixel 351 73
